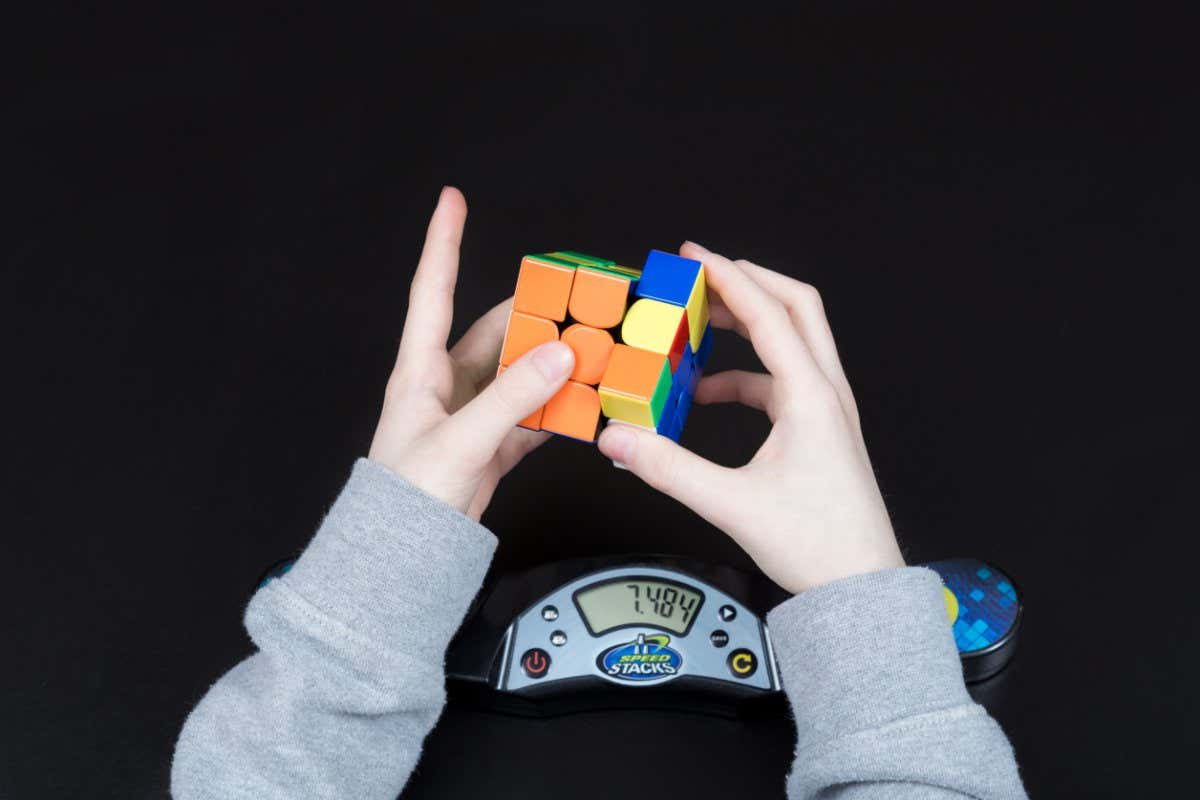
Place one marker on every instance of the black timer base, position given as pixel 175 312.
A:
pixel 676 698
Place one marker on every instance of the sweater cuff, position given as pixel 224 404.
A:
pixel 866 650
pixel 390 564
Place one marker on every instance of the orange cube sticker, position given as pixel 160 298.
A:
pixel 592 348
pixel 633 372
pixel 574 411
pixel 524 333
pixel 544 287
pixel 598 298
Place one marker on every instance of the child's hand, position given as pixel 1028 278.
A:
pixel 447 427
pixel 806 508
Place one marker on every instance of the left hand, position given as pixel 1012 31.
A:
pixel 447 427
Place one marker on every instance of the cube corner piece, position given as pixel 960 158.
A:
pixel 669 278
pixel 574 411
pixel 544 286
pixel 635 386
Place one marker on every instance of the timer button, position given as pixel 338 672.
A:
pixel 742 663
pixel 549 613
pixel 535 662
pixel 558 638
pixel 727 613
pixel 719 638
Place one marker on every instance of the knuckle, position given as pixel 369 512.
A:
pixel 506 396
pixel 775 313
pixel 799 297
pixel 806 294
pixel 664 470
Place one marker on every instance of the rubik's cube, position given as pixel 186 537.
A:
pixel 641 338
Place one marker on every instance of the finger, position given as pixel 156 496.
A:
pixel 518 444
pixel 721 317
pixel 807 313
pixel 481 425
pixel 775 340
pixel 478 351
pixel 431 296
pixel 752 389
pixel 667 467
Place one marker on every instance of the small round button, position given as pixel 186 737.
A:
pixel 535 662
pixel 558 638
pixel 727 613
pixel 719 638
pixel 742 663
pixel 549 613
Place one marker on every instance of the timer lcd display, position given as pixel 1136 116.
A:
pixel 635 601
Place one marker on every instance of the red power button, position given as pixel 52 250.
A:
pixel 535 662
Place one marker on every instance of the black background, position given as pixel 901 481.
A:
pixel 211 225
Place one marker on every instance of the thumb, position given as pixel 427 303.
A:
pixel 667 467
pixel 519 390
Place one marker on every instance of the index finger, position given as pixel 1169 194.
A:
pixel 431 297
pixel 766 321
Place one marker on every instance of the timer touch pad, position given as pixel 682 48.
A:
pixel 636 626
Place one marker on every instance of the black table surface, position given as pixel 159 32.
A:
pixel 211 226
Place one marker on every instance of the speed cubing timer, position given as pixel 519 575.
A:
pixel 641 338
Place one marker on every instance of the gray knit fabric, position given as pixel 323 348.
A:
pixel 872 673
pixel 348 677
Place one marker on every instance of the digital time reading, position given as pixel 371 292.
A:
pixel 638 601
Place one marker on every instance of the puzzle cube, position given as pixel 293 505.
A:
pixel 641 338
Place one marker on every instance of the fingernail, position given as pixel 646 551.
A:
pixel 553 360
pixel 697 245
pixel 618 443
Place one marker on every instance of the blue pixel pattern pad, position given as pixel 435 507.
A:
pixel 985 605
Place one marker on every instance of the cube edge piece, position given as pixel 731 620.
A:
pixel 568 388
pixel 584 277
pixel 504 350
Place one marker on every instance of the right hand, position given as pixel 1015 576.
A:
pixel 806 508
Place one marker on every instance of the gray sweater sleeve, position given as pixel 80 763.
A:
pixel 348 677
pixel 873 676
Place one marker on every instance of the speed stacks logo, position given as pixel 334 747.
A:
pixel 648 658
